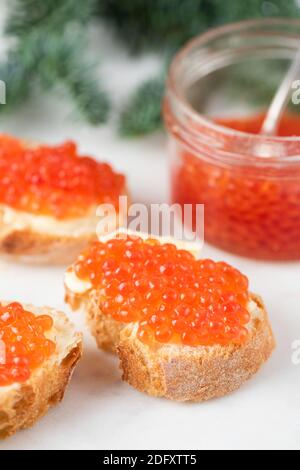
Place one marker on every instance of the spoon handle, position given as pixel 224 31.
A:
pixel 280 100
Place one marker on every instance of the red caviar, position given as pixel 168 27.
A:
pixel 249 210
pixel 23 344
pixel 289 124
pixel 54 180
pixel 174 297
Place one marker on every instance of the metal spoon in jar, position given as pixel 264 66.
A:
pixel 280 100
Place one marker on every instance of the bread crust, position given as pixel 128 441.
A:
pixel 21 405
pixel 29 245
pixel 105 329
pixel 197 374
pixel 179 373
pixel 26 246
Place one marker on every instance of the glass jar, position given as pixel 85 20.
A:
pixel 249 183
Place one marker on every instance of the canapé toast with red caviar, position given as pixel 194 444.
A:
pixel 183 328
pixel 48 200
pixel 35 369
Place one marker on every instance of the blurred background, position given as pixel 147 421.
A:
pixel 107 59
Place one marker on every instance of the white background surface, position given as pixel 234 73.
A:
pixel 101 412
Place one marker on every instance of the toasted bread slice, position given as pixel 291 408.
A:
pixel 179 372
pixel 22 404
pixel 175 371
pixel 79 294
pixel 200 373
pixel 39 239
pixel 105 329
pixel 45 240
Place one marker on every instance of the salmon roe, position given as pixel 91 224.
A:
pixel 54 180
pixel 174 297
pixel 248 210
pixel 289 124
pixel 23 345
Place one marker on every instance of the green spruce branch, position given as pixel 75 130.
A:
pixel 142 115
pixel 49 51
pixel 50 44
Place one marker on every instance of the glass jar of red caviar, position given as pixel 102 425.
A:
pixel 249 183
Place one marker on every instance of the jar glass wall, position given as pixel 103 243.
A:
pixel 248 183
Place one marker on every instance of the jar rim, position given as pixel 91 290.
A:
pixel 174 90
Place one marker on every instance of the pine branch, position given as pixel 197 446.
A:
pixel 50 50
pixel 17 78
pixel 18 74
pixel 153 24
pixel 63 62
pixel 168 24
pixel 150 24
pixel 50 14
pixel 227 12
pixel 92 102
pixel 143 113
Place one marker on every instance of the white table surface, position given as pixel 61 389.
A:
pixel 101 412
